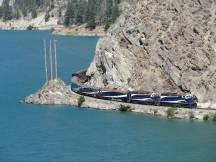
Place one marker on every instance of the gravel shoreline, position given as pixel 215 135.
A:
pixel 57 93
pixel 52 25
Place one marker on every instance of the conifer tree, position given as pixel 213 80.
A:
pixel 6 10
pixel 34 13
pixel 115 11
pixel 91 14
pixel 81 12
pixel 70 14
pixel 1 12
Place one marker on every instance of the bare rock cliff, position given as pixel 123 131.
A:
pixel 160 46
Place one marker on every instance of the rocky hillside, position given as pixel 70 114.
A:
pixel 160 46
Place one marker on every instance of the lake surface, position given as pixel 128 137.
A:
pixel 67 134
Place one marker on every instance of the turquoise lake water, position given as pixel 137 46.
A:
pixel 63 134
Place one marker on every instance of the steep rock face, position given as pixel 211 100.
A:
pixel 160 46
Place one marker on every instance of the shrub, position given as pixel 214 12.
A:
pixel 171 112
pixel 30 27
pixel 47 16
pixel 191 115
pixel 155 112
pixel 81 100
pixel 206 117
pixel 214 117
pixel 106 27
pixel 124 108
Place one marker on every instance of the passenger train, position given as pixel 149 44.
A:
pixel 188 101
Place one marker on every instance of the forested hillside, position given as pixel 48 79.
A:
pixel 21 8
pixel 94 12
pixel 70 12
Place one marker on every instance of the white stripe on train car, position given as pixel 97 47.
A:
pixel 120 96
pixel 139 95
pixel 179 101
pixel 103 91
pixel 162 97
pixel 91 93
pixel 144 99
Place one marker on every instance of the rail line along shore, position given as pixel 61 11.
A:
pixel 55 92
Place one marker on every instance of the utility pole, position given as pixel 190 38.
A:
pixel 56 65
pixel 45 61
pixel 51 66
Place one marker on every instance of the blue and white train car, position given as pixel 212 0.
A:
pixel 145 99
pixel 87 92
pixel 106 95
pixel 183 101
pixel 112 95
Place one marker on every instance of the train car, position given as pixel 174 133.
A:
pixel 112 95
pixel 178 101
pixel 146 99
pixel 88 92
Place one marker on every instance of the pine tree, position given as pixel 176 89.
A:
pixel 34 13
pixel 6 10
pixel 52 4
pixel 81 12
pixel 70 14
pixel 108 14
pixel 1 12
pixel 47 16
pixel 90 15
pixel 16 14
pixel 59 12
pixel 115 11
pixel 39 3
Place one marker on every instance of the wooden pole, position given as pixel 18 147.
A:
pixel 56 65
pixel 45 61
pixel 51 66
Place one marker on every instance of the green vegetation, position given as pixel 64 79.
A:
pixel 72 32
pixel 30 6
pixel 206 117
pixel 81 100
pixel 47 16
pixel 125 108
pixel 94 12
pixel 23 8
pixel 191 115
pixel 6 11
pixel 171 112
pixel 30 27
pixel 34 13
pixel 155 112
pixel 90 12
pixel 214 117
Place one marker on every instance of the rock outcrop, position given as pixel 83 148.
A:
pixel 54 92
pixel 160 46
